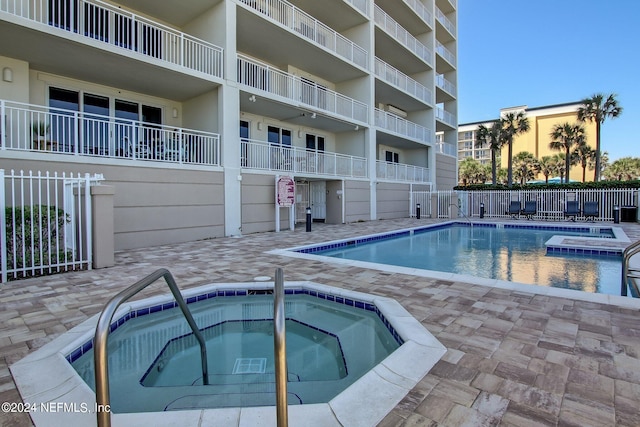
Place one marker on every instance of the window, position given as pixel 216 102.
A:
pixel 315 142
pixel 392 156
pixel 244 139
pixel 278 136
pixel 95 129
pixel 62 125
pixel 281 152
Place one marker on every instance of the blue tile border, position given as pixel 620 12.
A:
pixel 87 346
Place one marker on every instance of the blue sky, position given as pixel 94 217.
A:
pixel 547 52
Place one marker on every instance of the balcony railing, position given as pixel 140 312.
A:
pixel 397 78
pixel 401 35
pixel 445 85
pixel 421 11
pixel 445 53
pixel 307 26
pixel 445 117
pixel 444 148
pixel 401 126
pixel 401 172
pixel 110 24
pixel 446 23
pixel 264 77
pixel 262 155
pixel 361 5
pixel 59 131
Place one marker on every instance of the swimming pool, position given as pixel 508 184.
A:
pixel 508 252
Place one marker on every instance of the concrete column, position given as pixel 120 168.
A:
pixel 103 225
pixel 434 205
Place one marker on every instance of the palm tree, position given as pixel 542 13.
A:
pixel 526 166
pixel 468 171
pixel 623 169
pixel 548 166
pixel 491 137
pixel 513 124
pixel 560 165
pixel 584 156
pixel 597 109
pixel 564 136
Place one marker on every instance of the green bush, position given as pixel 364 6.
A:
pixel 35 236
pixel 568 186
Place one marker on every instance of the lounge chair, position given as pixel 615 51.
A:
pixel 530 208
pixel 572 210
pixel 514 208
pixel 590 210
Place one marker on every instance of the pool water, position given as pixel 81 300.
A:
pixel 154 360
pixel 511 254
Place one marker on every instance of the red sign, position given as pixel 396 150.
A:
pixel 286 190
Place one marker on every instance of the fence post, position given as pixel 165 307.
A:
pixel 103 225
pixel 3 230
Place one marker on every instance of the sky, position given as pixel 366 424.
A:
pixel 546 52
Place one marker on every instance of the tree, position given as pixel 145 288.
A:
pixel 513 124
pixel 623 169
pixel 597 109
pixel 490 136
pixel 584 156
pixel 548 166
pixel 468 171
pixel 560 165
pixel 525 166
pixel 563 137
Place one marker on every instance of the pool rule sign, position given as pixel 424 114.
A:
pixel 285 198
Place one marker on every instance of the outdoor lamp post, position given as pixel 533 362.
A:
pixel 418 211
pixel 481 210
pixel 308 218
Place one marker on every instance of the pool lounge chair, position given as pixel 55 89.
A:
pixel 514 208
pixel 572 210
pixel 590 210
pixel 530 208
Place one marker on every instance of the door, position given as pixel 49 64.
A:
pixel 302 200
pixel 318 193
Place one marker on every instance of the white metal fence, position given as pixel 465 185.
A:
pixel 34 127
pixel 45 226
pixel 113 25
pixel 551 204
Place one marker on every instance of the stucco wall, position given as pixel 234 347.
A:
pixel 357 201
pixel 446 172
pixel 258 204
pixel 392 200
pixel 152 205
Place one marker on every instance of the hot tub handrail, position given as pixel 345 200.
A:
pixel 629 251
pixel 103 328
pixel 280 350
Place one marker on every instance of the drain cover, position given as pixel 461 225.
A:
pixel 255 365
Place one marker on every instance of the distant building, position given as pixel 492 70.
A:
pixel 536 141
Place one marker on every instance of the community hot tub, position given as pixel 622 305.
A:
pixel 351 358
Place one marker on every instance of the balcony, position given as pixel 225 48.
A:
pixel 305 25
pixel 397 78
pixel 445 22
pixel 103 22
pixel 275 82
pixel 262 155
pixel 421 11
pixel 398 125
pixel 445 85
pixel 448 149
pixel 445 53
pixel 446 117
pixel 401 172
pixel 361 5
pixel 35 128
pixel 402 36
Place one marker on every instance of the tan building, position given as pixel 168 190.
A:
pixel 536 141
pixel 191 109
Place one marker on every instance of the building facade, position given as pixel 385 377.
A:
pixel 191 110
pixel 536 141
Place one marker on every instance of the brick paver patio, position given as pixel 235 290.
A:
pixel 514 358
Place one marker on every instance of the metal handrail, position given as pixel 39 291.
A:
pixel 104 326
pixel 628 252
pixel 280 350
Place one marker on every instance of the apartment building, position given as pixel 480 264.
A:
pixel 192 110
pixel 536 141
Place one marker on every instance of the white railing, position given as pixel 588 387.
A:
pixel 264 77
pixel 262 155
pixel 402 36
pixel 445 53
pixel 110 24
pixel 445 85
pixel 550 203
pixel 421 11
pixel 401 172
pixel 45 226
pixel 361 5
pixel 397 78
pixel 448 149
pixel 37 128
pixel 446 23
pixel 403 127
pixel 286 14
pixel 445 117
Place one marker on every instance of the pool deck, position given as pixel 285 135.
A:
pixel 516 355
